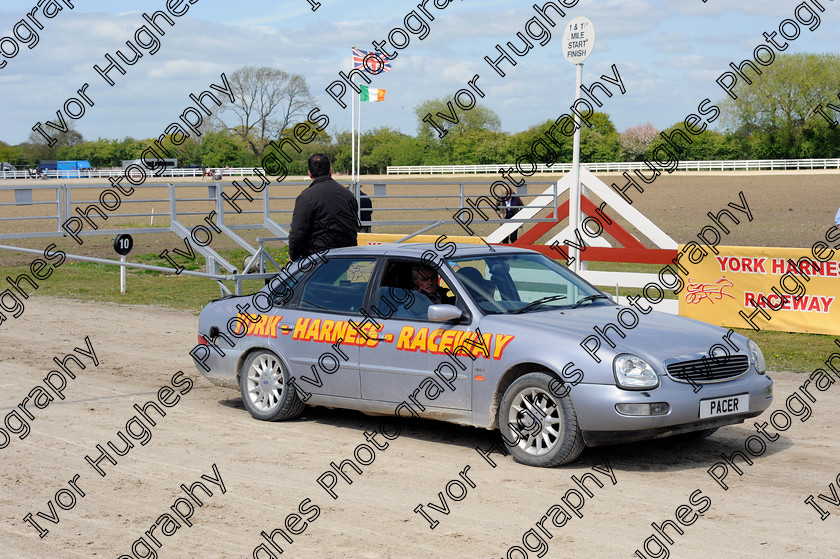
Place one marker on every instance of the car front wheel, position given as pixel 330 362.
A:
pixel 538 426
pixel 266 391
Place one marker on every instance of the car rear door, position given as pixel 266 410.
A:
pixel 323 346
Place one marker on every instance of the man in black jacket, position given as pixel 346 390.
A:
pixel 326 213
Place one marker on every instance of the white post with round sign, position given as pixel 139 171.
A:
pixel 578 42
pixel 122 246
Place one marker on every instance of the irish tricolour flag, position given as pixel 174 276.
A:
pixel 371 94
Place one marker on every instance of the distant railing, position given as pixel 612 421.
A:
pixel 52 204
pixel 734 165
pixel 40 210
pixel 115 172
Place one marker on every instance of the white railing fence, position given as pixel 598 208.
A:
pixel 118 172
pixel 733 165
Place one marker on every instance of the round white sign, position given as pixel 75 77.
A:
pixel 578 39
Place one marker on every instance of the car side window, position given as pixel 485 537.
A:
pixel 339 285
pixel 398 297
pixel 282 287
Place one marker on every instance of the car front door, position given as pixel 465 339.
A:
pixel 411 359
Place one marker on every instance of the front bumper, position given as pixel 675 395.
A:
pixel 602 424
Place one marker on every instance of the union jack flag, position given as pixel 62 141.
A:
pixel 371 62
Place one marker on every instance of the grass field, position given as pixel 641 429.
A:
pixel 788 209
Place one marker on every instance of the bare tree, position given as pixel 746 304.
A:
pixel 267 101
pixel 210 124
pixel 38 148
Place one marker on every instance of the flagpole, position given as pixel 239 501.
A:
pixel 359 138
pixel 352 136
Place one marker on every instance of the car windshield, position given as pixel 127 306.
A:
pixel 517 283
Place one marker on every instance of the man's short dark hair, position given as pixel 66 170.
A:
pixel 319 165
pixel 426 272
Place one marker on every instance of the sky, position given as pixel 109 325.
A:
pixel 668 54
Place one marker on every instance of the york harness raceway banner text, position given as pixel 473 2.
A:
pixel 786 289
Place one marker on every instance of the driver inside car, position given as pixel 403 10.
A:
pixel 426 283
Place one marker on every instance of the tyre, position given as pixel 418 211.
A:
pixel 246 262
pixel 538 427
pixel 266 392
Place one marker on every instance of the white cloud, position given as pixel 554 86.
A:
pixel 668 53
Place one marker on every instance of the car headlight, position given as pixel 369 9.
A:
pixel 634 373
pixel 757 357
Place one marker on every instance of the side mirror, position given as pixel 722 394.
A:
pixel 443 313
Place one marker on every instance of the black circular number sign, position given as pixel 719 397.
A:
pixel 123 244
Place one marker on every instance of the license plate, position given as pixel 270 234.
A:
pixel 726 405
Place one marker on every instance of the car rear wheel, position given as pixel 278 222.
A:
pixel 266 391
pixel 539 427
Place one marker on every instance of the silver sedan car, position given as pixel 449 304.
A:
pixel 495 337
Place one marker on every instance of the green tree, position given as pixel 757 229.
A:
pixel 187 152
pixel 319 142
pixel 477 118
pixel 222 149
pixel 338 150
pixel 476 147
pixel 11 154
pixel 127 148
pixel 104 152
pixel 709 145
pixel 819 140
pixel 600 141
pixel 775 112
pixel 461 139
pixel 520 144
pixel 385 146
pixel 597 143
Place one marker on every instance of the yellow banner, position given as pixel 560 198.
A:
pixel 793 292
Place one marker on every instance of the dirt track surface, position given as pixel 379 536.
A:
pixel 269 468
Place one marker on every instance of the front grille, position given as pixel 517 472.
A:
pixel 709 369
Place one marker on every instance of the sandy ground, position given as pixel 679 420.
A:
pixel 269 469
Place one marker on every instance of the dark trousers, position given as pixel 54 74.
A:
pixel 511 238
